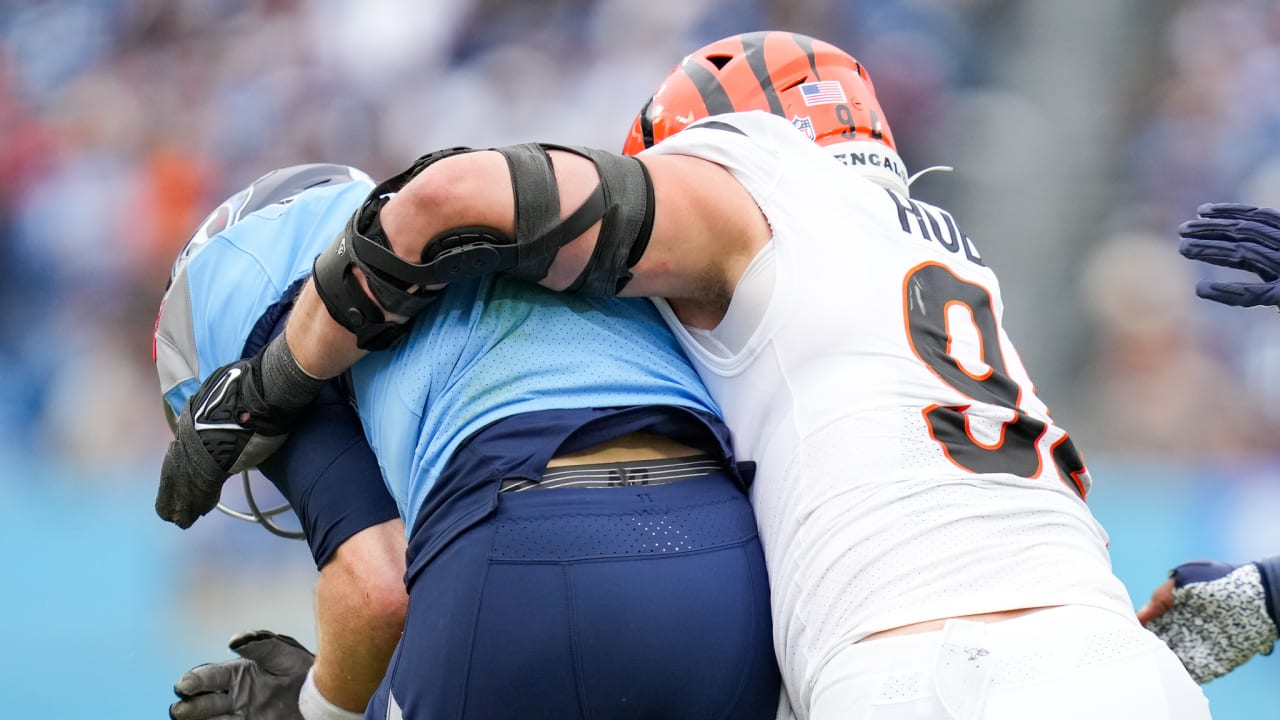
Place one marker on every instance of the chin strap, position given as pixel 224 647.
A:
pixel 264 517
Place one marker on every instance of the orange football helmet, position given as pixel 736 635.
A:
pixel 821 89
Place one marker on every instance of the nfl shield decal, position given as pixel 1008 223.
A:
pixel 804 125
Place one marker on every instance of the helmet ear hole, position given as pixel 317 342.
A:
pixel 719 60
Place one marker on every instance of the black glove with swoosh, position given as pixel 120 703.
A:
pixel 240 416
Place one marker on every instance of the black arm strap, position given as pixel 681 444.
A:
pixel 394 283
pixel 539 231
pixel 626 192
pixel 622 203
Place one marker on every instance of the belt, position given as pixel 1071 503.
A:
pixel 619 474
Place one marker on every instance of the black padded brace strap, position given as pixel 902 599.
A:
pixel 348 304
pixel 363 244
pixel 533 182
pixel 626 226
pixel 623 199
pixel 396 283
pixel 539 231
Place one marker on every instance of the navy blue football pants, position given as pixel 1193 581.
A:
pixel 601 604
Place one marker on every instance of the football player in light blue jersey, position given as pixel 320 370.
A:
pixel 228 294
pixel 580 542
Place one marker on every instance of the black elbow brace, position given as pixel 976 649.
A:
pixel 622 202
pixel 397 285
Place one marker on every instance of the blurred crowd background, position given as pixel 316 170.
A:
pixel 1081 134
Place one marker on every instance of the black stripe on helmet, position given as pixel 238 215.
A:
pixel 712 92
pixel 806 45
pixel 717 125
pixel 753 48
pixel 646 123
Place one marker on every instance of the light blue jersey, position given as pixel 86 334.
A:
pixel 494 348
pixel 485 351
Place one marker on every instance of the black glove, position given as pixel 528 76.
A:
pixel 1237 236
pixel 262 685
pixel 238 418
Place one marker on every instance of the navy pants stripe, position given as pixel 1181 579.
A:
pixel 600 604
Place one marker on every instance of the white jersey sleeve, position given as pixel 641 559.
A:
pixel 907 470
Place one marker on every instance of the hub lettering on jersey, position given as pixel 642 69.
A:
pixel 934 224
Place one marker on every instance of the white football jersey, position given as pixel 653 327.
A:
pixel 906 469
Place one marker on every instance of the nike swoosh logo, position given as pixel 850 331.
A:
pixel 213 399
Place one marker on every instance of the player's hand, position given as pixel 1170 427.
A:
pixel 1237 236
pixel 263 684
pixel 236 419
pixel 1214 616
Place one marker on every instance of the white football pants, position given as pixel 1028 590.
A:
pixel 1070 662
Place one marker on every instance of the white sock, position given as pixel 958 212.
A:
pixel 314 706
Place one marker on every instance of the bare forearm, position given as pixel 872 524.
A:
pixel 354 651
pixel 321 346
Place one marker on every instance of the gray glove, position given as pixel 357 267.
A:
pixel 262 685
pixel 1221 616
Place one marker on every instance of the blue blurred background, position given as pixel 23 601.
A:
pixel 1082 133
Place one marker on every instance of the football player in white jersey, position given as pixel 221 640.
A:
pixel 924 520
